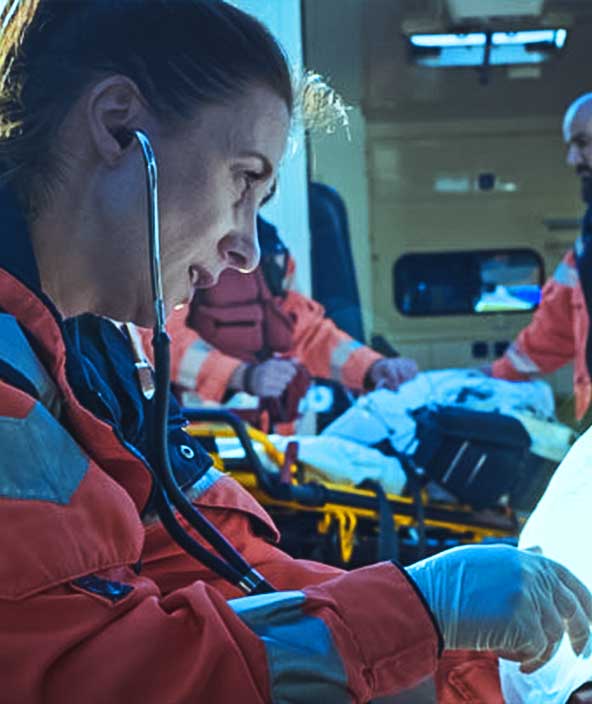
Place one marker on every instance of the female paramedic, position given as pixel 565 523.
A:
pixel 98 603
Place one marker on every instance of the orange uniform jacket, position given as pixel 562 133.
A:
pixel 556 336
pixel 324 349
pixel 97 605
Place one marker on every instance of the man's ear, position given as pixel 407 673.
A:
pixel 113 108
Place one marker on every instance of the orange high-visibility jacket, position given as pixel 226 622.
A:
pixel 556 336
pixel 98 605
pixel 325 350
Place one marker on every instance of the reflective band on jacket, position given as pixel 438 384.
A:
pixel 521 361
pixel 192 362
pixel 39 459
pixel 16 351
pixel 193 493
pixel 340 356
pixel 304 665
pixel 566 275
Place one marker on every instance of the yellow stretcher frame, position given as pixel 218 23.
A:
pixel 345 514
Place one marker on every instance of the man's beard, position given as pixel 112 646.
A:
pixel 585 174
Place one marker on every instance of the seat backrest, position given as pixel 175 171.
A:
pixel 334 283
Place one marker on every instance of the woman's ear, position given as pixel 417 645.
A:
pixel 113 106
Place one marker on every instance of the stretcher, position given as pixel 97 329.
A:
pixel 338 524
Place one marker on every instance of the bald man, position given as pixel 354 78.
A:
pixel 559 331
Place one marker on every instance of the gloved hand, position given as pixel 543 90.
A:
pixel 270 379
pixel 390 373
pixel 515 603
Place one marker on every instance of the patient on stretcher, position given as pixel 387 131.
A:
pixel 480 438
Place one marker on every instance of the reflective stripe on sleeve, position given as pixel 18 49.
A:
pixel 193 493
pixel 521 361
pixel 304 665
pixel 204 483
pixel 340 355
pixel 39 459
pixel 191 363
pixel 566 275
pixel 16 351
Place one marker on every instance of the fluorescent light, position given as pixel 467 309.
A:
pixel 444 40
pixel 560 37
pixel 534 46
pixel 536 36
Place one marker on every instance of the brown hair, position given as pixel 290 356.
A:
pixel 180 53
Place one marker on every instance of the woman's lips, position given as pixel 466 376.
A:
pixel 198 278
pixel 201 278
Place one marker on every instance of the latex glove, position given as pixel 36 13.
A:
pixel 390 373
pixel 515 603
pixel 269 379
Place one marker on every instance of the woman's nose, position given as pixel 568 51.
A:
pixel 240 250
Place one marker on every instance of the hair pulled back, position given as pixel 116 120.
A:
pixel 180 53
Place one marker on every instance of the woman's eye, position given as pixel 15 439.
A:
pixel 269 195
pixel 249 180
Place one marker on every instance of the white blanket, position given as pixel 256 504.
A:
pixel 330 459
pixel 561 525
pixel 385 414
pixel 343 462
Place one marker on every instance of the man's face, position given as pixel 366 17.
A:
pixel 577 133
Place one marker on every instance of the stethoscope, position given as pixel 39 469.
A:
pixel 168 496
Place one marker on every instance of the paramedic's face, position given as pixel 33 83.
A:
pixel 577 134
pixel 214 175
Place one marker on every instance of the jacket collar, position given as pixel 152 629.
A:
pixel 21 296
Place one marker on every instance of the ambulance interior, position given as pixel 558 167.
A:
pixel 450 164
pixel 444 159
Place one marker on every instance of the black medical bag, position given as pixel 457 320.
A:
pixel 476 456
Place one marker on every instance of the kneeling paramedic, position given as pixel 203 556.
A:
pixel 254 332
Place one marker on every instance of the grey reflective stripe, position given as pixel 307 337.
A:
pixel 340 355
pixel 521 361
pixel 204 483
pixel 16 351
pixel 304 664
pixel 193 493
pixel 191 363
pixel 566 275
pixel 39 460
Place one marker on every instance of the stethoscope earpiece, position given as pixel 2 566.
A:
pixel 123 137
